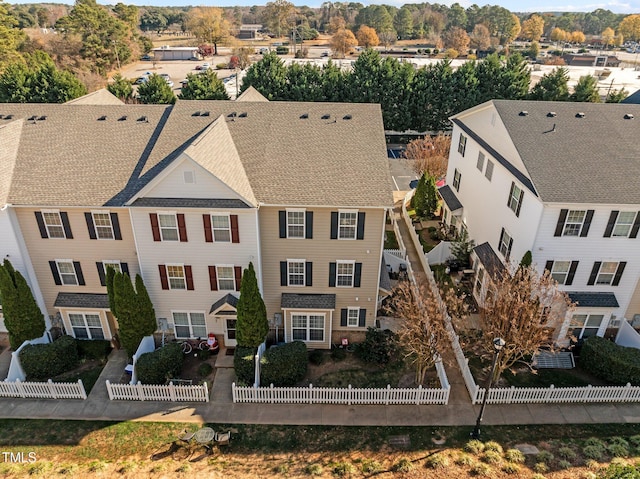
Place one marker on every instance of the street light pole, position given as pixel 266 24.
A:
pixel 498 344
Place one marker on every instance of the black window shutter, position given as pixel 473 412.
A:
pixel 334 225
pixel 332 275
pixel 610 224
pixel 520 203
pixel 618 275
pixel 80 276
pixel 587 224
pixel 308 223
pixel 360 234
pixel 362 319
pixel 509 248
pixel 560 225
pixel 65 224
pixel 500 240
pixel 357 273
pixel 125 268
pixel 282 216
pixel 343 317
pixel 90 226
pixel 283 273
pixel 548 266
pixel 572 273
pixel 635 227
pixel 41 225
pixel 54 272
pixel 513 185
pixel 117 234
pixel 594 273
pixel 308 273
pixel 101 274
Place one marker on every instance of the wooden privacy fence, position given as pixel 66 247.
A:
pixel 42 390
pixel 157 392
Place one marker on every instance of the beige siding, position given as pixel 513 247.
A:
pixel 81 248
pixel 634 303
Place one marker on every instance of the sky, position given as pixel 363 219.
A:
pixel 631 6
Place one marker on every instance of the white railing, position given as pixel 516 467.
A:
pixel 158 392
pixel 395 252
pixel 42 390
pixel 585 394
pixel 147 345
pixel 15 367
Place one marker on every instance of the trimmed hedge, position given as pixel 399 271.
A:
pixel 44 361
pixel 93 348
pixel 243 364
pixel 607 360
pixel 162 364
pixel 284 365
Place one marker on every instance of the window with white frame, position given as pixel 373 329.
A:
pixel 514 199
pixel 480 163
pixel 462 144
pixel 295 269
pixel 488 172
pixel 102 224
pixel 479 279
pixel 353 317
pixel 168 226
pixel 307 327
pixel 560 271
pixel 585 325
pixel 53 223
pixel 111 263
pixel 573 223
pixel 456 180
pixel 189 324
pixel 445 216
pixel 67 272
pixel 505 243
pixel 624 222
pixel 295 223
pixel 86 326
pixel 347 224
pixel 226 278
pixel 344 273
pixel 221 226
pixel 607 272
pixel 176 276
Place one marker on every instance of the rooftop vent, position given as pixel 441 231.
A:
pixel 33 118
pixel 347 117
pixel 204 113
pixel 552 114
pixel 143 118
pixel 8 117
pixel 325 117
pixel 580 114
pixel 122 118
pixel 243 115
pixel 233 114
pixel 628 116
pixel 1 117
pixel 195 113
pixel 523 113
pixel 102 118
pixel 304 116
pixel 42 118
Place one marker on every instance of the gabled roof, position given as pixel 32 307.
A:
pixel 450 198
pixel 98 97
pixel 308 301
pixel 633 98
pixel 228 299
pixel 82 300
pixel 251 94
pixel 577 152
pixel 9 141
pixel 490 260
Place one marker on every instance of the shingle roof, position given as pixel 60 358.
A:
pixel 308 301
pixel 385 280
pixel 633 98
pixel 10 140
pixel 490 260
pixel 572 158
pixel 251 94
pixel 450 198
pixel 229 299
pixel 82 300
pixel 189 203
pixel 98 97
pixel 593 300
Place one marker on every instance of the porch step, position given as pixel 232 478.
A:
pixel 559 360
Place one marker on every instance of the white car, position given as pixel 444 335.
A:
pixel 167 78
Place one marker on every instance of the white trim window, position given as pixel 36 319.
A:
pixel 168 223
pixel 189 324
pixel 456 179
pixel 488 172
pixel 221 226
pixel 226 277
pixel 623 225
pixel 176 276
pixel 506 241
pixel 573 223
pixel 111 263
pixel 67 272
pixel 462 144
pixel 295 272
pixel 607 272
pixel 102 224
pixel 480 162
pixel 353 317
pixel 585 325
pixel 560 271
pixel 347 224
pixel 307 327
pixel 344 273
pixel 295 223
pixel 86 325
pixel 514 199
pixel 53 223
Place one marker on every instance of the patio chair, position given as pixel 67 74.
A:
pixel 222 438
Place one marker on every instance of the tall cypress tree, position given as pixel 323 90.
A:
pixel 252 326
pixel 110 276
pixel 146 323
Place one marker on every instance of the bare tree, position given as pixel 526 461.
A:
pixel 429 155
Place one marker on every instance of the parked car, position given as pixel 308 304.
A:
pixel 141 79
pixel 263 50
pixel 205 66
pixel 146 58
pixel 325 53
pixel 167 78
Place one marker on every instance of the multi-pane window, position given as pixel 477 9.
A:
pixel 347 223
pixel 344 272
pixel 505 243
pixel 189 324
pixel 53 223
pixel 607 272
pixel 168 227
pixel 480 163
pixel 456 180
pixel 560 271
pixel 221 226
pixel 514 198
pixel 176 276
pixel 226 278
pixel 462 144
pixel 103 226
pixel 86 326
pixel 307 327
pixel 67 273
pixel 573 223
pixel 295 274
pixel 488 173
pixel 479 279
pixel 111 264
pixel 585 325
pixel 353 316
pixel 624 222
pixel 295 224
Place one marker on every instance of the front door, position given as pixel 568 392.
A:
pixel 230 333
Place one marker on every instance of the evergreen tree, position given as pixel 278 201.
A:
pixel 109 280
pixel 22 316
pixel 431 196
pixel 156 90
pixel 616 96
pixel 268 76
pixel 146 322
pixel 204 86
pixel 553 86
pixel 462 247
pixel 586 90
pixel 121 87
pixel 420 197
pixel 526 260
pixel 252 326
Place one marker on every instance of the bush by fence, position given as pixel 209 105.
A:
pixel 379 347
pixel 607 360
pixel 162 364
pixel 284 365
pixel 243 364
pixel 44 361
pixel 93 348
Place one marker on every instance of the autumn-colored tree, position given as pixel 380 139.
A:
pixel 367 37
pixel 457 39
pixel 336 24
pixel 480 38
pixel 429 155
pixel 279 16
pixel 209 25
pixel 608 34
pixel 629 28
pixel 577 37
pixel 558 35
pixel 533 28
pixel 618 40
pixel 342 42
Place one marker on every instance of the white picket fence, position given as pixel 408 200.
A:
pixel 158 392
pixel 395 252
pixel 42 390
